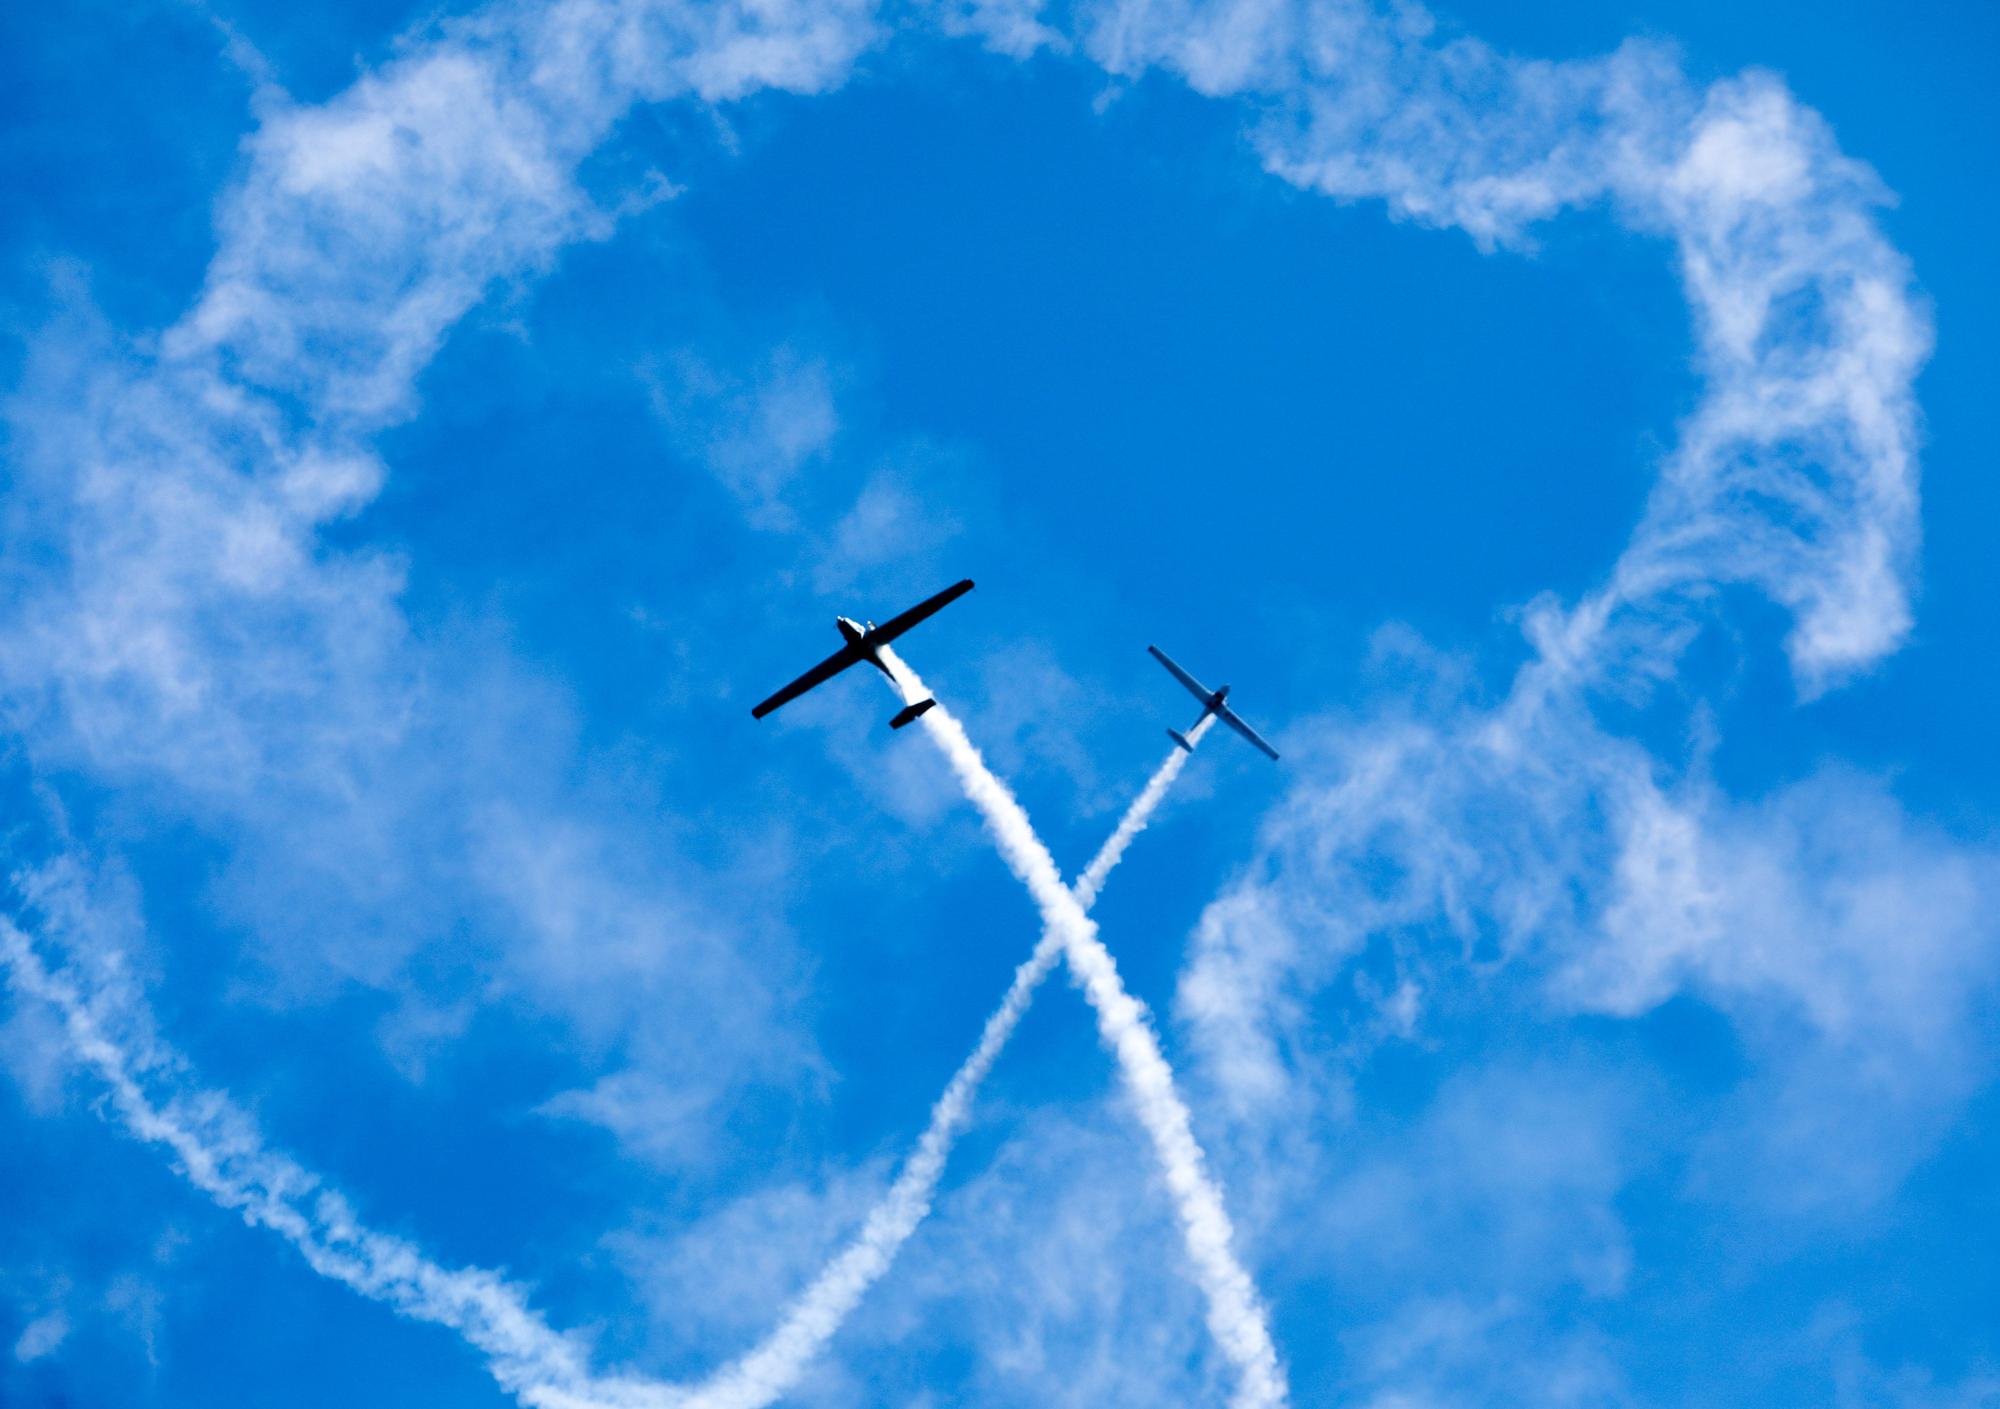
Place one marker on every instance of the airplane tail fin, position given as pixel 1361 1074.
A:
pixel 1178 737
pixel 909 712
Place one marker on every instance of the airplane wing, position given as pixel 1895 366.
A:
pixel 1195 687
pixel 930 606
pixel 824 671
pixel 1230 718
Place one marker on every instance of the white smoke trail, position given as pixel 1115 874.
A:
pixel 219 1151
pixel 1091 883
pixel 1235 1315
pixel 767 1372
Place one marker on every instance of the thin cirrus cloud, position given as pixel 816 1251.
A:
pixel 1809 337
pixel 755 434
pixel 362 230
pixel 180 624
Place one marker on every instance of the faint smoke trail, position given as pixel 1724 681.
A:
pixel 770 1370
pixel 1235 1316
pixel 218 1150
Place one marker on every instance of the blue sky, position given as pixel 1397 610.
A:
pixel 427 432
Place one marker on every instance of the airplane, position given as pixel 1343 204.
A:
pixel 863 640
pixel 1212 701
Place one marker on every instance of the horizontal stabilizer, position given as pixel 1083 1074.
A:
pixel 909 712
pixel 1178 737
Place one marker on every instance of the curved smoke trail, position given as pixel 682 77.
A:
pixel 218 1150
pixel 1235 1313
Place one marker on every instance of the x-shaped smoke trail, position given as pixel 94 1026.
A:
pixel 218 1149
pixel 1235 1313
pixel 768 1372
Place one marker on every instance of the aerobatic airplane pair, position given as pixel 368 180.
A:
pixel 865 640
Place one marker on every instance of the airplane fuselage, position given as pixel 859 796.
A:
pixel 864 640
pixel 856 633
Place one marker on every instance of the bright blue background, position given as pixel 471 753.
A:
pixel 1165 399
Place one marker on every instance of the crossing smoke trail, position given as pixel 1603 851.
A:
pixel 775 1366
pixel 218 1149
pixel 1235 1316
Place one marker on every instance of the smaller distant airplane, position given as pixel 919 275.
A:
pixel 1212 701
pixel 863 642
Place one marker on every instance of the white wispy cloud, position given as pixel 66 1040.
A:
pixel 1436 850
pixel 41 1336
pixel 367 225
pixel 754 433
pixel 1057 1277
pixel 182 619
pixel 1797 471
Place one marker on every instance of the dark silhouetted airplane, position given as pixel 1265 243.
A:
pixel 1212 703
pixel 864 640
